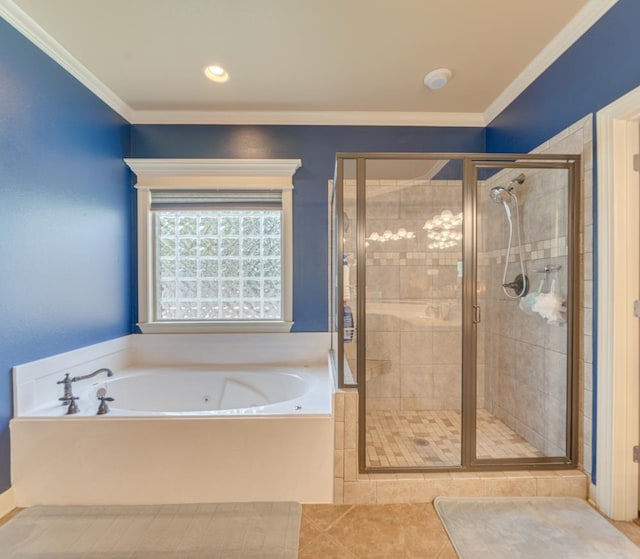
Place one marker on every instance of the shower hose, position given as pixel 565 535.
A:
pixel 509 247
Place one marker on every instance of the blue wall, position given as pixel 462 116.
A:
pixel 603 65
pixel 600 67
pixel 64 217
pixel 317 147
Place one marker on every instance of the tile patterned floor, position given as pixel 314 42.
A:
pixel 432 438
pixel 384 531
pixel 629 529
pixel 372 532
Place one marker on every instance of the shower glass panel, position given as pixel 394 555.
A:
pixel 343 272
pixel 522 343
pixel 349 300
pixel 413 302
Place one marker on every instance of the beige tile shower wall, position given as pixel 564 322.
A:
pixel 524 358
pixel 413 298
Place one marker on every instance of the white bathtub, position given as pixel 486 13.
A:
pixel 204 390
pixel 175 433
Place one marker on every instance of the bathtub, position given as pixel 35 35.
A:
pixel 202 391
pixel 175 433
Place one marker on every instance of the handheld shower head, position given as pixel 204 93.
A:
pixel 500 195
pixel 504 195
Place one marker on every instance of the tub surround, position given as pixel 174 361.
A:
pixel 172 459
pixel 155 461
pixel 35 382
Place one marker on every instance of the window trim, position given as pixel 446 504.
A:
pixel 206 174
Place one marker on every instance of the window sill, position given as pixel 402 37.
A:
pixel 239 327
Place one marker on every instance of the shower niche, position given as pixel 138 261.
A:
pixel 454 308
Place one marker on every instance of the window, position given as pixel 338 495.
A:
pixel 215 241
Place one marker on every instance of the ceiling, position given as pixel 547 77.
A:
pixel 346 56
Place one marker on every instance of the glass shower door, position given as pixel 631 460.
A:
pixel 523 291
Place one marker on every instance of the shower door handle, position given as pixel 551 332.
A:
pixel 476 314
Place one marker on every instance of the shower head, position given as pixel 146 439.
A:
pixel 500 194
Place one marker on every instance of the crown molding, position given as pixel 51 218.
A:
pixel 24 24
pixel 324 118
pixel 577 27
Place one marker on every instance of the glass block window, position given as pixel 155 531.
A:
pixel 217 256
pixel 218 265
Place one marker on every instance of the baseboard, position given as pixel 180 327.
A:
pixel 7 502
pixel 591 497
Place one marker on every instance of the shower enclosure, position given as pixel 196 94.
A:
pixel 454 308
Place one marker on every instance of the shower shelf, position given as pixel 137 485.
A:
pixel 547 269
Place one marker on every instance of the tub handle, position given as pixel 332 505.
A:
pixel 103 408
pixel 73 407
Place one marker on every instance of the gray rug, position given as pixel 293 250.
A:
pixel 212 531
pixel 530 528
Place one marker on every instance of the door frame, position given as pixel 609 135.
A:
pixel 618 344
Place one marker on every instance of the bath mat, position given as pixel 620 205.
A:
pixel 211 531
pixel 530 528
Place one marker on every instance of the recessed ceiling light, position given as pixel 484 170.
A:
pixel 437 79
pixel 216 73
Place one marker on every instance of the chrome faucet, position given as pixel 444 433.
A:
pixel 84 377
pixel 69 399
pixel 67 380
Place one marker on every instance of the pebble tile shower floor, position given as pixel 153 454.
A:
pixel 432 438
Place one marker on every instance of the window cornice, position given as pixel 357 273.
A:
pixel 206 173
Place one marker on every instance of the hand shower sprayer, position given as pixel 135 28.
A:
pixel 503 195
pixel 500 195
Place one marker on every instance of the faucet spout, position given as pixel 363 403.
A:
pixel 90 375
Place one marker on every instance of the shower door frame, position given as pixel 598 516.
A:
pixel 471 162
pixel 572 164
